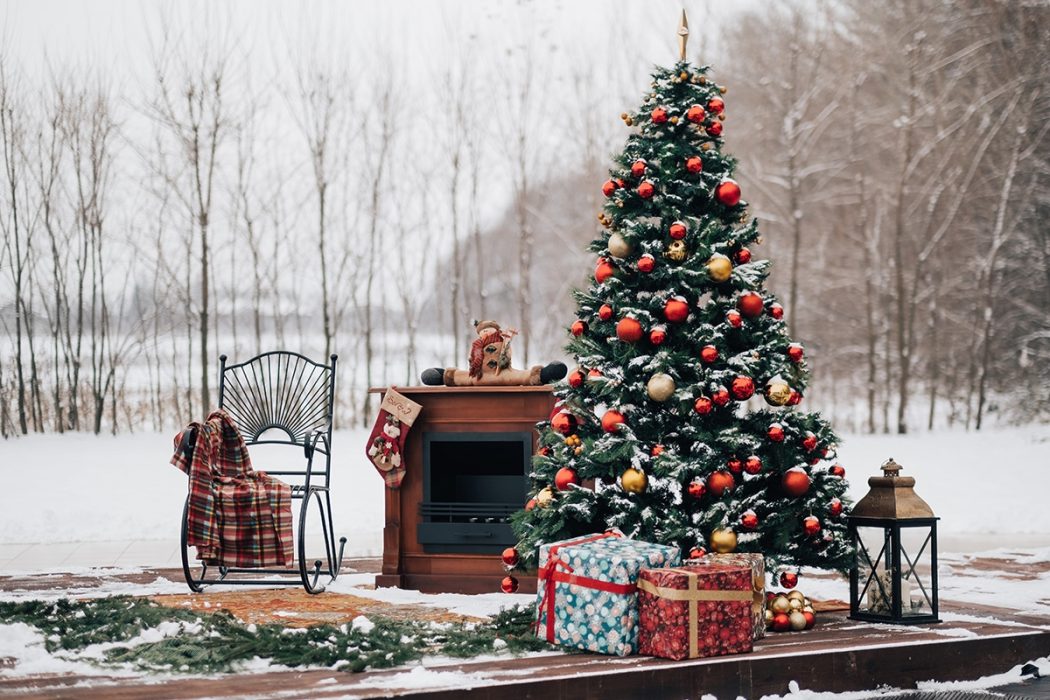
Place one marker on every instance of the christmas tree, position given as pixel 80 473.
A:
pixel 657 432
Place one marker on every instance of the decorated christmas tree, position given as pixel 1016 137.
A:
pixel 681 423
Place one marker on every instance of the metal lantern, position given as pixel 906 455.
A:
pixel 894 574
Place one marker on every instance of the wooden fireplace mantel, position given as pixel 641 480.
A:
pixel 451 410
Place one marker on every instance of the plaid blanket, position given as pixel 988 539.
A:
pixel 237 517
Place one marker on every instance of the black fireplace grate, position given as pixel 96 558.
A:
pixel 467 512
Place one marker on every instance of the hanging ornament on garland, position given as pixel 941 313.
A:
pixel 618 246
pixel 694 164
pixel 658 115
pixel 742 256
pixel 612 420
pixel 677 230
pixel 696 114
pixel 660 387
pixel 734 319
pixel 753 465
pixel 835 507
pixel 777 392
pixel 809 442
pixel 609 187
pixel 509 584
pixel 810 525
pixel 720 396
pixel 646 263
pixel 775 432
pixel 676 310
pixel 709 354
pixel 658 335
pixel 735 465
pixel 727 192
pixel 628 330
pixel 795 352
pixel 715 105
pixel 605 312
pixel 638 167
pixel 646 190
pixel 578 328
pixel 795 482
pixel 604 270
pixel 749 520
pixel 776 311
pixel 634 480
pixel 565 478
pixel 750 304
pixel 676 251
pixel 714 129
pixel 696 488
pixel 564 423
pixel 703 405
pixel 575 379
pixel 723 541
pixel 742 388
pixel 837 470
pixel 510 557
pixel 720 482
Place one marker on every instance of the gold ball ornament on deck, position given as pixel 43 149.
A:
pixel 719 268
pixel 618 246
pixel 779 605
pixel 634 480
pixel 676 251
pixel 778 392
pixel 660 387
pixel 723 541
pixel 797 620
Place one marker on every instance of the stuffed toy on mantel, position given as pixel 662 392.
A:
pixel 490 364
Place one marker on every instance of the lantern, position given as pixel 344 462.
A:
pixel 894 574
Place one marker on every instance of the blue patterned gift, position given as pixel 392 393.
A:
pixel 587 596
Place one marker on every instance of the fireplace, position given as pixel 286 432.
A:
pixel 467 460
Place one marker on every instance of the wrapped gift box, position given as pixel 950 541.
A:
pixel 587 597
pixel 694 611
pixel 757 564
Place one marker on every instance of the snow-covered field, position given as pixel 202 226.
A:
pixel 989 488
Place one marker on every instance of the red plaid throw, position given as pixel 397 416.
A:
pixel 237 517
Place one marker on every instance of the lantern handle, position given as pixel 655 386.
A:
pixel 890 468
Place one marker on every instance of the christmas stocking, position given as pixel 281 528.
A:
pixel 387 440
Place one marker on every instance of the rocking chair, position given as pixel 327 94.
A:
pixel 288 393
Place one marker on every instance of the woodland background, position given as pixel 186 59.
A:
pixel 234 178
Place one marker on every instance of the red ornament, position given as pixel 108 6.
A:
pixel 646 190
pixel 646 263
pixel 720 396
pixel 788 579
pixel 604 270
pixel 811 619
pixel 776 311
pixel 609 187
pixel 749 520
pixel 605 312
pixel 564 423
pixel 696 114
pixel 795 399
pixel 734 318
pixel 795 482
pixel 781 622
pixel 509 584
pixel 703 406
pixel 693 164
pixel 638 168
pixel 714 129
pixel 531 504
pixel 578 327
pixel 750 304
pixel 795 352
pixel 735 465
pixel 809 443
pixel 657 450
pixel 677 230
pixel 629 330
pixel 837 470
pixel 593 372
pixel 564 478
pixel 810 525
pixel 510 557
pixel 612 420
pixel 659 115
pixel 753 465
pixel 544 451
pixel 716 105
pixel 697 489
pixel 676 310
pixel 775 432
pixel 658 335
pixel 742 256
pixel 575 379
pixel 742 388
pixel 728 192
pixel 697 553
pixel 720 482
pixel 835 507
pixel 709 353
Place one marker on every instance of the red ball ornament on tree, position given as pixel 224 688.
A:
pixel 750 304
pixel 734 319
pixel 753 465
pixel 694 164
pixel 658 335
pixel 593 373
pixel 716 105
pixel 646 190
pixel 638 167
pixel 676 310
pixel 776 311
pixel 835 507
pixel 603 271
pixel 510 557
pixel 575 379
pixel 565 478
pixel 720 397
pixel 742 388
pixel 564 423
pixel 677 230
pixel 789 579
pixel 749 520
pixel 775 432
pixel 578 327
pixel 696 114
pixel 509 584
pixel 697 553
pixel 709 353
pixel 605 312
pixel 742 256
pixel 530 504
pixel 809 443
pixel 795 482
pixel 735 465
pixel 697 489
pixel 714 129
pixel 659 115
pixel 703 405
pixel 646 263
pixel 795 399
pixel 612 420
pixel 657 450
pixel 628 330
pixel 720 482
pixel 810 525
pixel 609 187
pixel 728 192
pixel 837 470
pixel 795 352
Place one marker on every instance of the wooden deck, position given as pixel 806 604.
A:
pixel 838 655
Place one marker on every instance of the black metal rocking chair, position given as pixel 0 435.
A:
pixel 288 392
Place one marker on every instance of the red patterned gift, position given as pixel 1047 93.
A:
pixel 694 611
pixel 758 582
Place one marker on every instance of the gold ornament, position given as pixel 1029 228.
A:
pixel 633 480
pixel 719 268
pixel 683 75
pixel 673 120
pixel 676 251
pixel 777 392
pixel 618 246
pixel 794 603
pixel 628 121
pixel 703 80
pixel 780 604
pixel 808 609
pixel 723 541
pixel 796 595
pixel 723 89
pixel 623 115
pixel 660 387
pixel 544 497
pixel 769 616
pixel 578 451
pixel 706 147
pixel 797 620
